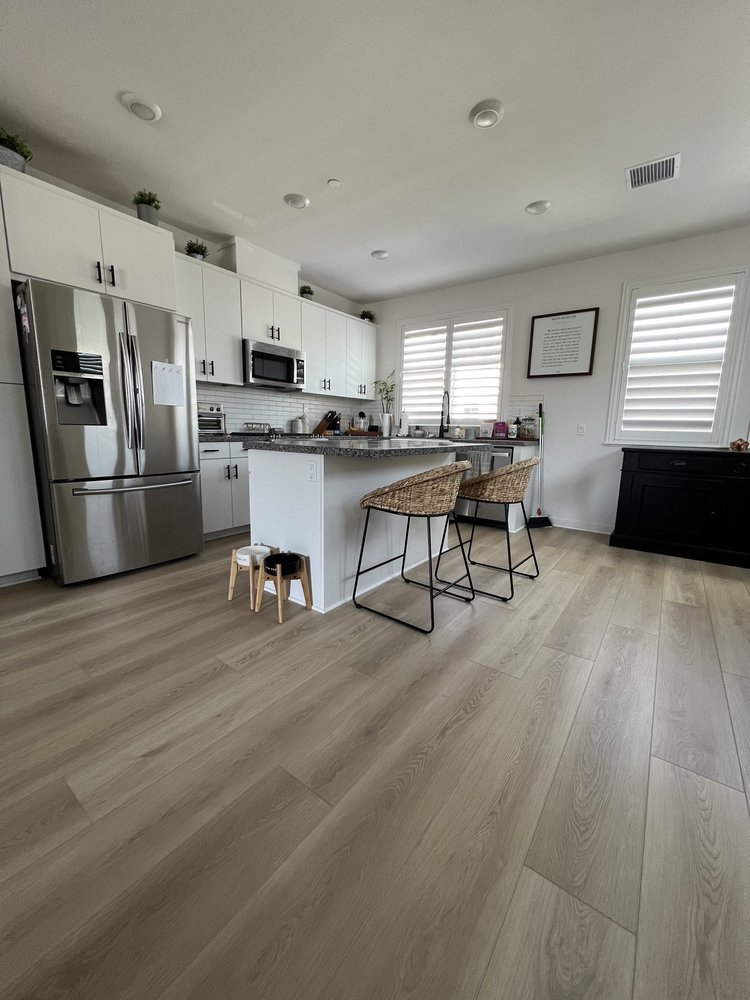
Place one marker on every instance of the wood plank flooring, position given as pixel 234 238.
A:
pixel 542 799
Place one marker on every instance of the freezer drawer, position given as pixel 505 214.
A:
pixel 109 526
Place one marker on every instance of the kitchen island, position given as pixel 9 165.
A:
pixel 304 497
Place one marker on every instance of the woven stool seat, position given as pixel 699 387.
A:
pixel 428 494
pixel 505 486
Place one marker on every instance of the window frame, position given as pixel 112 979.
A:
pixel 450 320
pixel 728 384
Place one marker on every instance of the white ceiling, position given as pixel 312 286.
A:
pixel 264 99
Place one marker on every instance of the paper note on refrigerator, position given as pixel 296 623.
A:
pixel 168 383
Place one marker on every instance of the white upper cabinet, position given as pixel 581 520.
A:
pixel 369 359
pixel 211 298
pixel 51 235
pixel 336 367
pixel 270 315
pixel 59 236
pixel 138 260
pixel 361 358
pixel 189 278
pixel 223 318
pixel 314 346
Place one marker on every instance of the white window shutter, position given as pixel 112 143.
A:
pixel 476 370
pixel 423 373
pixel 675 362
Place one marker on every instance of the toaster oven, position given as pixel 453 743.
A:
pixel 211 418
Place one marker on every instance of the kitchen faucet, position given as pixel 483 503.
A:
pixel 445 414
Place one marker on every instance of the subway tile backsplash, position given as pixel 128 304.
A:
pixel 280 408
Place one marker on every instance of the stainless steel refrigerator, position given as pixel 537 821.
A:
pixel 111 393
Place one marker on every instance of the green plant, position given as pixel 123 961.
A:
pixel 194 246
pixel 366 314
pixel 15 143
pixel 147 198
pixel 386 390
pixel 306 290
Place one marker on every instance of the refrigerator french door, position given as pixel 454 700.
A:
pixel 111 395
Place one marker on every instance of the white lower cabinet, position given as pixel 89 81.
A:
pixel 21 545
pixel 225 486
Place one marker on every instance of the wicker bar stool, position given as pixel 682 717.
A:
pixel 427 495
pixel 506 486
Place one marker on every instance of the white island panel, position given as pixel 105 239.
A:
pixel 309 503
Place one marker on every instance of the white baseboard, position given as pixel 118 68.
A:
pixel 593 526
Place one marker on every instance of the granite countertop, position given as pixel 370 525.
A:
pixel 343 447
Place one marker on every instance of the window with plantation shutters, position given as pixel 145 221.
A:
pixel 674 374
pixel 461 355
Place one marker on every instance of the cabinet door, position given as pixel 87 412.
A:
pixel 240 492
pixel 686 509
pixel 257 311
pixel 223 318
pixel 142 257
pixel 216 495
pixel 286 318
pixel 336 366
pixel 51 235
pixel 189 277
pixel 21 546
pixel 354 358
pixel 369 359
pixel 314 345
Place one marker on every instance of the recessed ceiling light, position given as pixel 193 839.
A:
pixel 333 182
pixel 538 207
pixel 297 200
pixel 379 254
pixel 486 113
pixel 147 111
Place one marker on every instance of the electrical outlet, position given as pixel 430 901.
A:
pixel 311 472
pixel 581 430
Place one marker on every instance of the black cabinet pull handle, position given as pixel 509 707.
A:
pixel 278 333
pixel 203 366
pixel 739 467
pixel 329 384
pixel 229 472
pixel 212 368
pixel 209 451
pixel 99 272
pixel 111 270
pixel 678 463
pixel 236 472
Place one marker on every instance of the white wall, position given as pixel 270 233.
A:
pixel 581 473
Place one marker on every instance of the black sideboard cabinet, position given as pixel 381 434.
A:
pixel 692 502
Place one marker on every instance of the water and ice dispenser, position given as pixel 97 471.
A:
pixel 79 388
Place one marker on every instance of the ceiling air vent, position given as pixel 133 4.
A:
pixel 665 169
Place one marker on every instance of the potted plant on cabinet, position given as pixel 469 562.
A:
pixel 147 206
pixel 306 291
pixel 369 316
pixel 14 152
pixel 194 248
pixel 386 392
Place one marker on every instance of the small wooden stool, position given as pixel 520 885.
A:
pixel 282 568
pixel 245 560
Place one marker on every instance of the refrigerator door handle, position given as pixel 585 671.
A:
pixel 130 489
pixel 140 413
pixel 128 389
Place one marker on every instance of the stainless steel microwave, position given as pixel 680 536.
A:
pixel 272 366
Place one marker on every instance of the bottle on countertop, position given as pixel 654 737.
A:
pixel 513 428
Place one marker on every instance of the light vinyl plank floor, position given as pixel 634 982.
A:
pixel 197 802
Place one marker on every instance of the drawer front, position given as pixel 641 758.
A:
pixel 236 450
pixel 691 463
pixel 213 449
